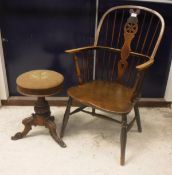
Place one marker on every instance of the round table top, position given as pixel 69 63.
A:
pixel 39 80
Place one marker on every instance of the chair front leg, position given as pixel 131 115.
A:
pixel 66 117
pixel 123 138
pixel 137 115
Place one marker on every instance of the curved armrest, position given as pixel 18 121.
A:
pixel 145 65
pixel 139 67
pixel 91 48
pixel 80 49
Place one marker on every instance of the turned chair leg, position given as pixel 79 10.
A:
pixel 66 117
pixel 137 115
pixel 123 138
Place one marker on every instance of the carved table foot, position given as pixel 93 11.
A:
pixel 27 122
pixel 52 129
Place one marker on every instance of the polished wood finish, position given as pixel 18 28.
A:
pixel 126 41
pixel 41 117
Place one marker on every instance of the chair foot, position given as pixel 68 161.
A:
pixel 137 115
pixel 66 117
pixel 123 139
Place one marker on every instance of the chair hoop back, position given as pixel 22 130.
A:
pixel 146 19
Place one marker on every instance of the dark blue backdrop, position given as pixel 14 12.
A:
pixel 38 32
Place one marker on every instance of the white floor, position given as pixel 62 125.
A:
pixel 93 146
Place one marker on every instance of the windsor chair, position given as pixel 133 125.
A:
pixel 110 73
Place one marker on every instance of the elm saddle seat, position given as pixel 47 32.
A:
pixel 40 83
pixel 98 94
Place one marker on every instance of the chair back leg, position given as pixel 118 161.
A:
pixel 123 138
pixel 93 111
pixel 137 115
pixel 66 117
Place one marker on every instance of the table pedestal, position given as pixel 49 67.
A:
pixel 41 117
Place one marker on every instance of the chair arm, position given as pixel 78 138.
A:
pixel 91 48
pixel 80 49
pixel 145 65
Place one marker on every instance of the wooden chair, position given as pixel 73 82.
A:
pixel 110 72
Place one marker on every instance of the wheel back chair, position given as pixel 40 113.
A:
pixel 110 72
